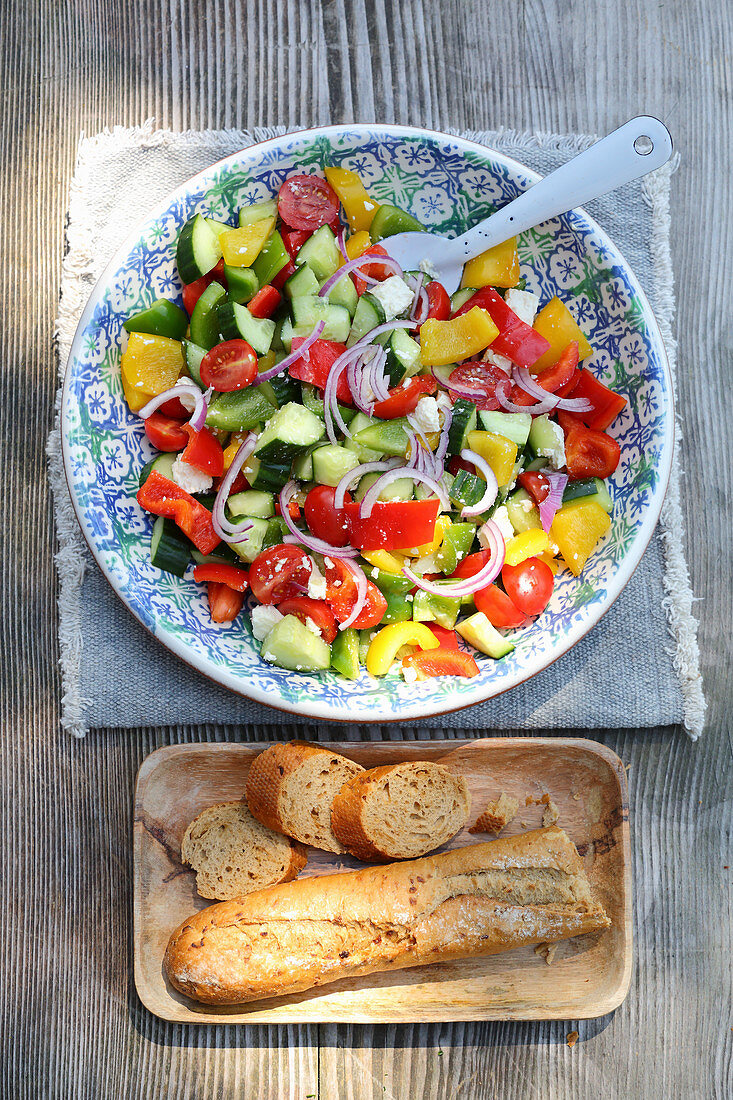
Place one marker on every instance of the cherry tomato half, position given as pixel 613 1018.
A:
pixel 265 301
pixel 341 597
pixel 307 202
pixel 224 603
pixel 473 564
pixel 535 483
pixel 279 573
pixel 193 291
pixel 438 301
pixel 528 585
pixel 229 366
pixel 588 453
pixel 165 433
pixel 304 608
pixel 375 270
pixel 324 520
pixel 482 377
pixel 403 399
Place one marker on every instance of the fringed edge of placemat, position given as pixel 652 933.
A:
pixel 77 272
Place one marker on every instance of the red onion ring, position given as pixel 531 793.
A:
pixel 502 390
pixel 549 506
pixel 417 282
pixel 574 404
pixel 301 353
pixel 482 579
pixel 380 383
pixel 330 401
pixel 460 391
pixel 198 418
pixel 352 265
pixel 492 485
pixel 362 588
pixel 442 450
pixel 372 494
pixel 357 472
pixel 421 317
pixel 303 538
pixel 341 242
pixel 186 387
pixel 225 529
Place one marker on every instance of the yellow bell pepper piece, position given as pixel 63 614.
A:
pixel 390 640
pixel 235 442
pixel 527 545
pixel 387 561
pixel 553 563
pixel 497 450
pixel 556 323
pixel 498 266
pixel 150 365
pixel 442 524
pixel 358 207
pixel 577 528
pixel 443 342
pixel 241 247
pixel 357 244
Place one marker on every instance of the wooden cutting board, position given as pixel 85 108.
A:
pixel 588 977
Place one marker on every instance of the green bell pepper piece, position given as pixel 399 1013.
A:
pixel 457 542
pixel 163 318
pixel 443 610
pixel 271 260
pixel 399 609
pixel 389 583
pixel 345 653
pixel 242 284
pixel 389 220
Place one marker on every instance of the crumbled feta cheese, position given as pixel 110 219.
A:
pixel 394 295
pixel 314 629
pixel 499 361
pixel 523 303
pixel 409 673
pixel 428 268
pixel 502 521
pixel 443 401
pixel 190 479
pixel 526 505
pixel 555 453
pixel 427 415
pixel 316 584
pixel 554 548
pixel 263 620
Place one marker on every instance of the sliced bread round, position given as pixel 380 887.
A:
pixel 290 788
pixel 400 811
pixel 232 854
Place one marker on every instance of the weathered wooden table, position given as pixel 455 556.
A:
pixel 72 1025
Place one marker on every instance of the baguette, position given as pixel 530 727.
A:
pixel 290 788
pixel 478 900
pixel 400 811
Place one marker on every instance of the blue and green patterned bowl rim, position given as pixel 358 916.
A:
pixel 397 162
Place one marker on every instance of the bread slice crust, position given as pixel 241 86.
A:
pixel 472 901
pixel 233 854
pixel 290 788
pixel 400 811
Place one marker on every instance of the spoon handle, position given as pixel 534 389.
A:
pixel 636 148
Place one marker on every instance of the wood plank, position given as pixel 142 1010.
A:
pixel 547 64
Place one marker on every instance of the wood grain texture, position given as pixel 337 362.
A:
pixel 72 1026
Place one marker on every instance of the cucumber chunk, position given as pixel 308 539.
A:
pixel 545 437
pixel 401 489
pixel 387 437
pixel 345 653
pixel 461 297
pixel 403 357
pixel 514 426
pixel 321 253
pixel 237 323
pixel 204 329
pixel 302 283
pixel 368 315
pixel 331 463
pixel 366 454
pixel 162 464
pixel 463 422
pixel 198 249
pixel 251 503
pixel 239 410
pixel 591 488
pixel 467 489
pixel 257 212
pixel 521 517
pixel 478 632
pixel 310 309
pixel 290 644
pixel 193 356
pixel 170 550
pixel 249 550
pixel 343 293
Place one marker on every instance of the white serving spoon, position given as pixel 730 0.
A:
pixel 636 148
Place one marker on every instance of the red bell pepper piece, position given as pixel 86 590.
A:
pixel 163 497
pixel 204 451
pixel 393 524
pixel 322 354
pixel 448 638
pixel 265 302
pixel 516 340
pixel 294 239
pixel 220 573
pixel 279 280
pixel 403 399
pixel 441 662
pixel 606 404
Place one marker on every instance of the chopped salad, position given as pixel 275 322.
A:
pixel 384 468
